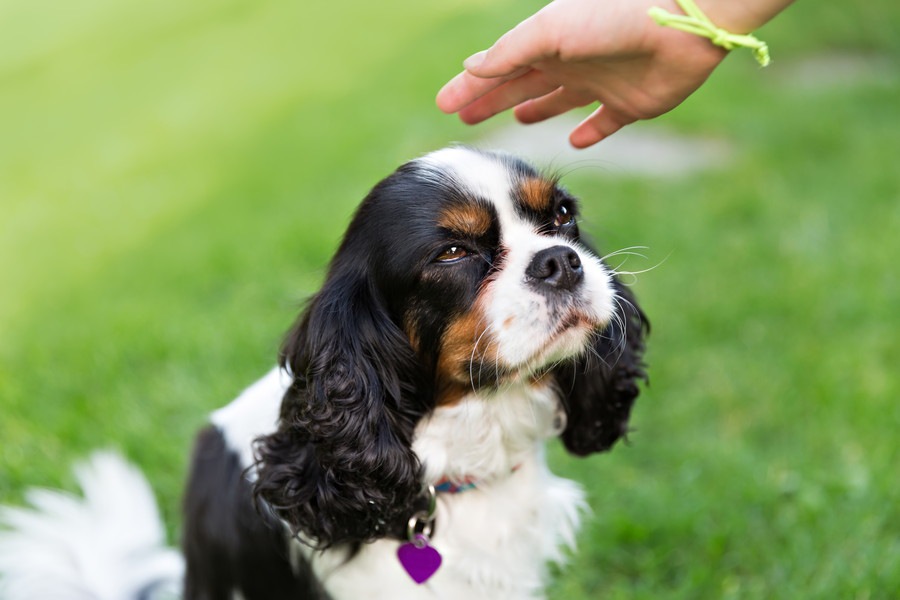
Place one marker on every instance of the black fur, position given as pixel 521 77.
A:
pixel 228 545
pixel 600 387
pixel 340 468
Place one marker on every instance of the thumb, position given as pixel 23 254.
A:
pixel 527 43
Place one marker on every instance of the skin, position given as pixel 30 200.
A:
pixel 573 53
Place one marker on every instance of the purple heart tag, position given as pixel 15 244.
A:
pixel 419 559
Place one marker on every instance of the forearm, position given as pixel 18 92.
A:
pixel 742 16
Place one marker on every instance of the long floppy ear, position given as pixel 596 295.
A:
pixel 600 387
pixel 340 467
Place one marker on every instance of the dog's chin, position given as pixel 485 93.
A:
pixel 569 340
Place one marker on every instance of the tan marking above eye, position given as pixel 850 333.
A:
pixel 466 220
pixel 537 194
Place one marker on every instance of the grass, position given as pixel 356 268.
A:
pixel 174 177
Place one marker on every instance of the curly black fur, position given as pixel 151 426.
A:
pixel 341 468
pixel 601 386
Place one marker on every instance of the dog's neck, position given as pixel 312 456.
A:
pixel 486 435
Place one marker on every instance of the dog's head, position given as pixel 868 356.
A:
pixel 463 271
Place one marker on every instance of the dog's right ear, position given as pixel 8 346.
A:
pixel 340 468
pixel 600 387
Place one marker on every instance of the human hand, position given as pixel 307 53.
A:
pixel 576 52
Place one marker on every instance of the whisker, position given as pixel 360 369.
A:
pixel 618 271
pixel 472 362
pixel 497 367
pixel 622 321
pixel 592 352
pixel 629 251
pixel 595 164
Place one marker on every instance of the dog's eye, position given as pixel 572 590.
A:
pixel 452 254
pixel 564 216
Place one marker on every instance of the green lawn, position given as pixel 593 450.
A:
pixel 174 177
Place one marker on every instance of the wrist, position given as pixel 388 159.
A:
pixel 696 22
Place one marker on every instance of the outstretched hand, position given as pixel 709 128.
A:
pixel 573 53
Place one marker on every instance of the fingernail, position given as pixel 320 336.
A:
pixel 474 61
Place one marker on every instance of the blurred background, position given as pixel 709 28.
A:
pixel 174 177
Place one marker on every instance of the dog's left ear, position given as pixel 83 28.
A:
pixel 599 388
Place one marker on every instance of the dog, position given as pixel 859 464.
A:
pixel 397 450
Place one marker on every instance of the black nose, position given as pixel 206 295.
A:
pixel 558 267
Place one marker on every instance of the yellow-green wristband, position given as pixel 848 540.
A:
pixel 697 23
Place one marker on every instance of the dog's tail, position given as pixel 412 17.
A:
pixel 108 545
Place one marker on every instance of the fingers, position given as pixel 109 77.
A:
pixel 528 42
pixel 509 58
pixel 465 88
pixel 602 123
pixel 555 103
pixel 533 84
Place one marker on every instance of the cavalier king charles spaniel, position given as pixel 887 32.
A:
pixel 397 451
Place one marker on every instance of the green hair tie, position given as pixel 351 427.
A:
pixel 694 21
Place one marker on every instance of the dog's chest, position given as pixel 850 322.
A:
pixel 496 538
pixel 495 542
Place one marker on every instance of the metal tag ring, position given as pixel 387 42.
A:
pixel 432 502
pixel 413 531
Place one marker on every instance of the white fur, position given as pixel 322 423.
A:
pixel 252 413
pixel 109 545
pixel 486 178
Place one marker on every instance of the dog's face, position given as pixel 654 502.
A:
pixel 461 272
pixel 478 258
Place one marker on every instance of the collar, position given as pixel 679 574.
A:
pixel 445 485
